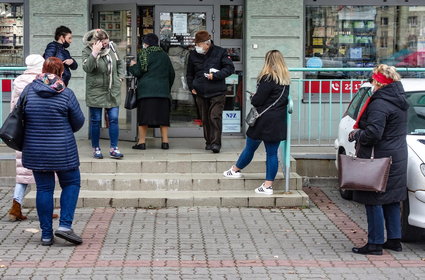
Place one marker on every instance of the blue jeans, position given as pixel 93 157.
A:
pixel 95 121
pixel 69 181
pixel 376 216
pixel 272 162
pixel 19 192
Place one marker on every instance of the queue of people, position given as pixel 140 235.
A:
pixel 53 115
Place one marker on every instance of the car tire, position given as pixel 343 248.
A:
pixel 345 194
pixel 409 233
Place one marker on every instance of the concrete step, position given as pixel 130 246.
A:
pixel 173 163
pixel 181 182
pixel 159 199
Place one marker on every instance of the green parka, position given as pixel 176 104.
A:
pixel 101 92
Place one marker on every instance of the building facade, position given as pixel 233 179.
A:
pixel 321 33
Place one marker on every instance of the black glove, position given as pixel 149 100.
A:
pixel 354 135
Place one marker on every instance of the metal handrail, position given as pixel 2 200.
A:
pixel 285 146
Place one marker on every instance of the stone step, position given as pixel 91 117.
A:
pixel 181 182
pixel 159 199
pixel 173 163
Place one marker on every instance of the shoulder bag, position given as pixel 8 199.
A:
pixel 12 130
pixel 363 174
pixel 131 97
pixel 253 114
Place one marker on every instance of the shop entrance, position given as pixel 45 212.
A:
pixel 176 27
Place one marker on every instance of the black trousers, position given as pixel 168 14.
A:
pixel 211 110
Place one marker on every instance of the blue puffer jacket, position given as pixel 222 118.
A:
pixel 56 49
pixel 51 118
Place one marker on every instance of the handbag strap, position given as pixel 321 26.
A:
pixel 372 155
pixel 274 103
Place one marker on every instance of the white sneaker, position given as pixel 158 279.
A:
pixel 232 174
pixel 263 190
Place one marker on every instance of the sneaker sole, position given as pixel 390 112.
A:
pixel 67 238
pixel 263 193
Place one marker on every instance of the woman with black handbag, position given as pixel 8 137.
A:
pixel 155 77
pixel 382 126
pixel 270 100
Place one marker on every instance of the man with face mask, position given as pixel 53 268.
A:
pixel 207 68
pixel 58 48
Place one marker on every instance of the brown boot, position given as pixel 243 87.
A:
pixel 15 213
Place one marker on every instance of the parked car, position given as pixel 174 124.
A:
pixel 413 209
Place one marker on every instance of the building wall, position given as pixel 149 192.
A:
pixel 44 17
pixel 272 24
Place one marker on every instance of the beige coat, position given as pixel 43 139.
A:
pixel 23 175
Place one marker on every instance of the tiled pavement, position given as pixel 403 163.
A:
pixel 206 243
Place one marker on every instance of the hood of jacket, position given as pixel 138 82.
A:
pixel 393 93
pixel 47 85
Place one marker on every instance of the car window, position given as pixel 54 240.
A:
pixel 358 101
pixel 416 112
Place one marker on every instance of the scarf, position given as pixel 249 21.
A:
pixel 359 116
pixel 143 56
pixel 52 80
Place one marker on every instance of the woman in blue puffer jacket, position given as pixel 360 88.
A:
pixel 52 115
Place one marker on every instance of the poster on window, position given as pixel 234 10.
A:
pixel 179 23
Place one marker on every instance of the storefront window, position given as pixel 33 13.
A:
pixel 11 34
pixel 231 19
pixel 364 36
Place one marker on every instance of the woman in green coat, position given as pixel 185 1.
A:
pixel 105 72
pixel 155 77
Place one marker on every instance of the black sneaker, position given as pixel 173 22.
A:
pixel 47 243
pixel 69 235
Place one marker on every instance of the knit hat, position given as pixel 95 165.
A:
pixel 150 39
pixel 34 62
pixel 202 36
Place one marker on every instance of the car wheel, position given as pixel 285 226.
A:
pixel 409 233
pixel 345 194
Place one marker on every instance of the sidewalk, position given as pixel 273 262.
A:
pixel 206 243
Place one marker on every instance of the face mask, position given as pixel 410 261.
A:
pixel 199 50
pixel 145 46
pixel 65 44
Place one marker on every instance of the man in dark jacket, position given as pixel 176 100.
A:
pixel 207 69
pixel 58 48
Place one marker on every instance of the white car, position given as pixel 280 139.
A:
pixel 413 209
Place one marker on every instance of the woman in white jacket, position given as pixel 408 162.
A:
pixel 24 176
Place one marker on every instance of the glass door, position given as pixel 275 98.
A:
pixel 120 21
pixel 176 27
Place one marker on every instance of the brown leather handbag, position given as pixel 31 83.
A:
pixel 363 174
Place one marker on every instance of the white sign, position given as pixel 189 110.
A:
pixel 231 121
pixel 179 23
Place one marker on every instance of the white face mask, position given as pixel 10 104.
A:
pixel 145 46
pixel 199 50
pixel 372 89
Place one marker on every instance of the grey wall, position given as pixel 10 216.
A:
pixel 44 17
pixel 272 24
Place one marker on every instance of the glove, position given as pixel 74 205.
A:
pixel 354 135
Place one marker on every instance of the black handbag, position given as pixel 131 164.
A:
pixel 12 130
pixel 131 97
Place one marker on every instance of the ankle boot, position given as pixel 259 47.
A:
pixel 15 213
pixel 393 244
pixel 369 249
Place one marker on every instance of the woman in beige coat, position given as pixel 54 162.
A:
pixel 24 176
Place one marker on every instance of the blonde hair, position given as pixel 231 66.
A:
pixel 275 68
pixel 388 71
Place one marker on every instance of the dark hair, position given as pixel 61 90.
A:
pixel 53 65
pixel 61 31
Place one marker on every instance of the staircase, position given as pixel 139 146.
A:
pixel 178 177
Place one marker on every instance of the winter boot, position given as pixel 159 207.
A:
pixel 15 213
